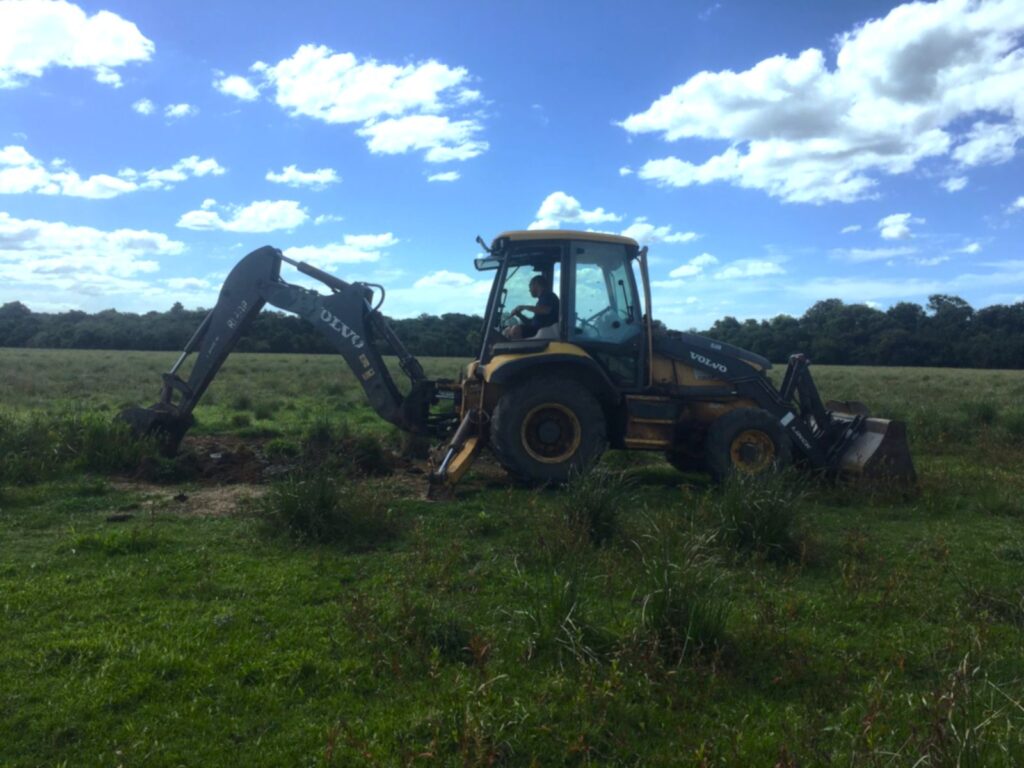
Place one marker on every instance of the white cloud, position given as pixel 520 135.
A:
pixel 260 216
pixel 21 173
pixel 931 262
pixel 861 255
pixel 176 111
pixel 954 184
pixel 850 229
pixel 445 176
pixel 38 34
pixel 694 266
pixel 58 257
pixel 646 233
pixel 896 226
pixel 293 177
pixel 373 242
pixel 353 249
pixel 749 268
pixel 803 132
pixel 444 139
pixel 625 171
pixel 443 278
pixel 144 107
pixel 400 108
pixel 971 248
pixel 559 208
pixel 327 218
pixel 183 283
pixel 237 86
pixel 1017 205
pixel 988 144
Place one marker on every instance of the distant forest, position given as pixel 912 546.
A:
pixel 945 332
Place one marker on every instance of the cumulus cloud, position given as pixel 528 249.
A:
pixel 971 248
pixel 896 226
pixel 804 132
pixel 444 278
pixel 850 229
pixel 293 177
pixel 90 261
pixel 694 266
pixel 445 176
pixel 861 255
pixel 38 34
pixel 988 144
pixel 559 208
pixel 144 107
pixel 743 268
pixel 646 233
pixel 954 184
pixel 399 108
pixel 237 86
pixel 443 139
pixel 1017 205
pixel 260 216
pixel 21 173
pixel 176 111
pixel 352 249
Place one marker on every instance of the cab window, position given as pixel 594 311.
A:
pixel 606 308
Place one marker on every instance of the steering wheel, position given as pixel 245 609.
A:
pixel 587 325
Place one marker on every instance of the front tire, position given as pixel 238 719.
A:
pixel 746 441
pixel 545 429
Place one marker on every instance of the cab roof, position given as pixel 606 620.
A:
pixel 525 235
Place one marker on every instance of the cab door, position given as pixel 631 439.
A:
pixel 604 316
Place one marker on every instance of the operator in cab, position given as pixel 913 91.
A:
pixel 545 311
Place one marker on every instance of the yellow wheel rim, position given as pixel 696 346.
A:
pixel 752 451
pixel 551 433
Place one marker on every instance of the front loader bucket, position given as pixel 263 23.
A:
pixel 880 452
pixel 166 427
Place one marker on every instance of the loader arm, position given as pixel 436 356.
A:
pixel 344 316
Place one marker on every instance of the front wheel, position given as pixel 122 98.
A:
pixel 747 441
pixel 545 429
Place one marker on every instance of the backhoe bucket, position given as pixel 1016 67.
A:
pixel 165 427
pixel 880 452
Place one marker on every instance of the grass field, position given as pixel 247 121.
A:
pixel 158 612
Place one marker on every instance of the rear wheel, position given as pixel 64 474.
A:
pixel 545 429
pixel 747 441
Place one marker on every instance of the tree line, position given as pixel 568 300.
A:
pixel 946 332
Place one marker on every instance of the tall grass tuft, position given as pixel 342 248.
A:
pixel 38 446
pixel 329 443
pixel 314 507
pixel 593 501
pixel 761 514
pixel 683 608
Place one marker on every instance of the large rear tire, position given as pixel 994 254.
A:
pixel 545 429
pixel 746 441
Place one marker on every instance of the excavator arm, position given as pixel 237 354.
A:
pixel 345 317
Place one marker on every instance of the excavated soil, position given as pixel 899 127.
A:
pixel 222 472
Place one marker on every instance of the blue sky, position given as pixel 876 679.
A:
pixel 770 154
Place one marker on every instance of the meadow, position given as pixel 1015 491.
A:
pixel 283 594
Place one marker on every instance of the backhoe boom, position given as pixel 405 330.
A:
pixel 345 317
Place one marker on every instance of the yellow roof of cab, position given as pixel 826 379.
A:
pixel 520 235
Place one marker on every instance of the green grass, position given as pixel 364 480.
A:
pixel 645 619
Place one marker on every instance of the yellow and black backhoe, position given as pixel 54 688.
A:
pixel 547 401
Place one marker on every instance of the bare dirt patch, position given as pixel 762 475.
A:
pixel 201 501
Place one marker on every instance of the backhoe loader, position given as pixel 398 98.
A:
pixel 548 404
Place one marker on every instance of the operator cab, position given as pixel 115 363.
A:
pixel 595 291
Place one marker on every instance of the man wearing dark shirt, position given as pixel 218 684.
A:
pixel 545 312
